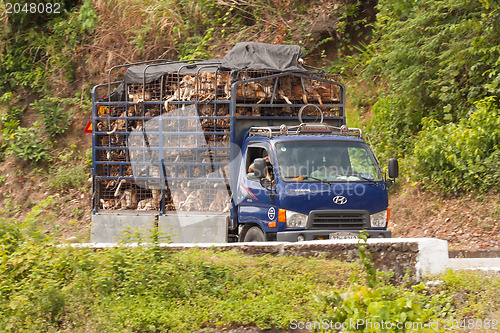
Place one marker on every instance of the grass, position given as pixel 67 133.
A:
pixel 65 177
pixel 50 288
pixel 475 294
pixel 150 289
pixel 70 169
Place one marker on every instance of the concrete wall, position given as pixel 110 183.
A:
pixel 417 256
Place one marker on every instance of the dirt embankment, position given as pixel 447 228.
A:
pixel 466 222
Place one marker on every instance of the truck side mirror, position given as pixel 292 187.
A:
pixel 260 171
pixel 259 168
pixel 393 168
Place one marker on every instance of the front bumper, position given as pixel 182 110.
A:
pixel 292 236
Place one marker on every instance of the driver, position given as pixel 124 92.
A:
pixel 265 156
pixel 330 168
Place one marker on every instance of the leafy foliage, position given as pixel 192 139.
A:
pixel 10 112
pixel 26 143
pixel 149 289
pixel 69 170
pixel 373 303
pixel 434 60
pixel 87 17
pixel 435 54
pixel 39 47
pixel 55 118
pixel 38 54
pixel 49 287
pixel 462 156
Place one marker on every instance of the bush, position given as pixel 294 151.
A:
pixel 26 143
pixel 434 59
pixel 39 50
pixel 55 118
pixel 65 177
pixel 464 156
pixel 10 112
pixel 70 170
pixel 49 288
pixel 149 289
pixel 370 305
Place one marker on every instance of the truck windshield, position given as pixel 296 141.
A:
pixel 326 160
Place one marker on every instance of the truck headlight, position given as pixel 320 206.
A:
pixel 379 220
pixel 295 220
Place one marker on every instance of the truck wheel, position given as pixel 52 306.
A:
pixel 254 234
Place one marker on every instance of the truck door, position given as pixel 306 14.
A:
pixel 256 207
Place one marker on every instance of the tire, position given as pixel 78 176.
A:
pixel 254 234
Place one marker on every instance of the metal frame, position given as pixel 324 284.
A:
pixel 102 170
pixel 305 128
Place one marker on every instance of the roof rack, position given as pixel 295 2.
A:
pixel 305 128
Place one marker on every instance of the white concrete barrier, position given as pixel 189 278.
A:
pixel 417 256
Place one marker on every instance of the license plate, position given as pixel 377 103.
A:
pixel 343 235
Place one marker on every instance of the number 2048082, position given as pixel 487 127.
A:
pixel 472 324
pixel 32 8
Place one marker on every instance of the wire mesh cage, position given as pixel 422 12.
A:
pixel 165 144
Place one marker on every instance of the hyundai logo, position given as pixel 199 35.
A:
pixel 340 200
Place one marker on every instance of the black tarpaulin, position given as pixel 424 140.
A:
pixel 137 74
pixel 264 57
pixel 243 57
pixel 148 73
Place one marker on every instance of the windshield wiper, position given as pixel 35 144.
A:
pixel 309 177
pixel 360 177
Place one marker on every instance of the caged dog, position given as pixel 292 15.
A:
pixel 183 91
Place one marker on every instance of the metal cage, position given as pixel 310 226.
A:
pixel 166 145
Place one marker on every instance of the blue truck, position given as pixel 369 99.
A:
pixel 251 147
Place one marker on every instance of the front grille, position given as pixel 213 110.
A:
pixel 339 219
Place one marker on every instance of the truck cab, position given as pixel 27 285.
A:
pixel 310 182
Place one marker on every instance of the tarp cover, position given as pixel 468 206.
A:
pixel 151 72
pixel 264 57
pixel 243 57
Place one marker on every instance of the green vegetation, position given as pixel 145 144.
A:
pixel 461 156
pixel 55 118
pixel 376 301
pixel 25 143
pixel 39 56
pixel 438 70
pixel 69 170
pixel 39 51
pixel 44 287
